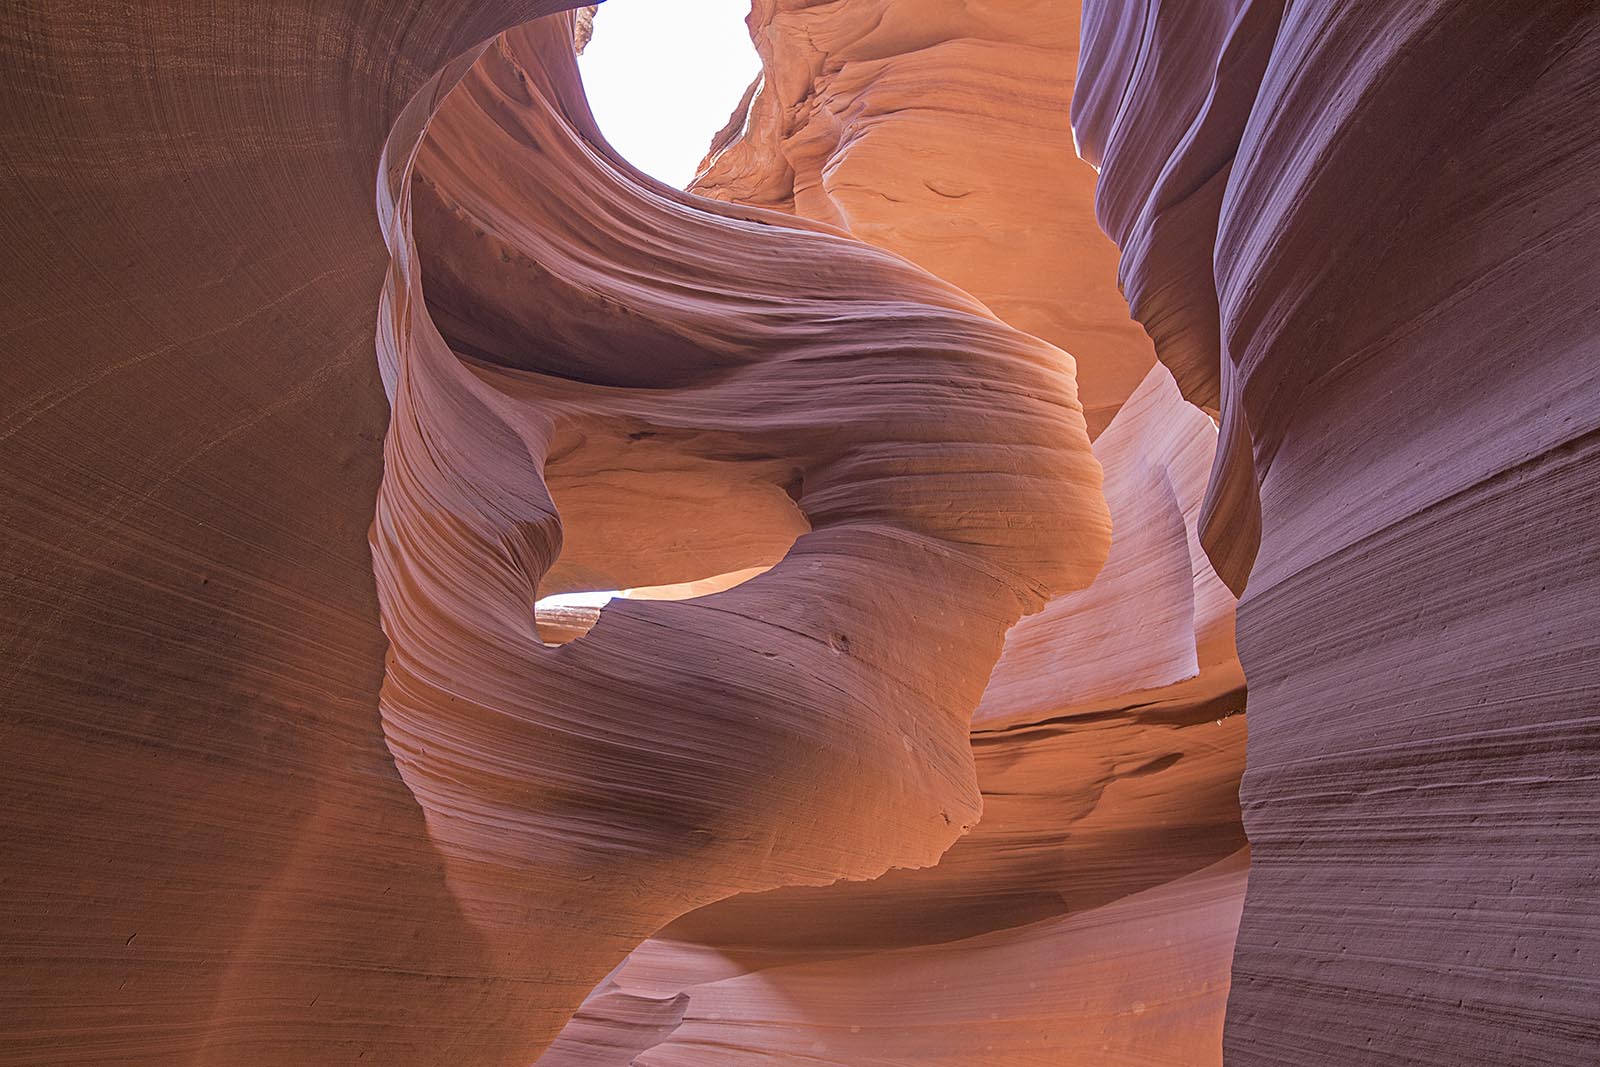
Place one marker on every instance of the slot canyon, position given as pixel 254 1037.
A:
pixel 1104 494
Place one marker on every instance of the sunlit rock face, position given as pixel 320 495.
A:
pixel 1108 741
pixel 767 396
pixel 247 833
pixel 938 129
pixel 339 337
pixel 1368 232
pixel 1088 916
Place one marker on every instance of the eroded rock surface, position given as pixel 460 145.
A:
pixel 448 867
pixel 938 129
pixel 807 725
pixel 1108 742
pixel 1368 232
pixel 918 738
pixel 1110 844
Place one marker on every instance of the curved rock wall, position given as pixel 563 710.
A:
pixel 1088 914
pixel 208 853
pixel 814 795
pixel 938 129
pixel 809 724
pixel 1108 748
pixel 229 848
pixel 1369 231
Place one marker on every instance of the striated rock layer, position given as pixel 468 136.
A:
pixel 209 854
pixel 249 844
pixel 917 739
pixel 938 129
pixel 1073 921
pixel 1369 233
pixel 1091 911
pixel 1139 981
pixel 281 845
pixel 806 725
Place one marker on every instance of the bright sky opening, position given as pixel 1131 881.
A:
pixel 597 599
pixel 663 77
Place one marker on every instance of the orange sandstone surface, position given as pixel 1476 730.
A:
pixel 337 337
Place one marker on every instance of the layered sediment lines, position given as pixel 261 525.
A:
pixel 242 833
pixel 326 852
pixel 1088 915
pixel 1137 981
pixel 209 855
pixel 1090 912
pixel 1368 234
pixel 938 129
pixel 919 737
pixel 809 724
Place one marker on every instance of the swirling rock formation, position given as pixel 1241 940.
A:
pixel 918 740
pixel 938 129
pixel 1120 999
pixel 447 870
pixel 1090 913
pixel 1107 749
pixel 1368 232
pixel 209 855
pixel 809 724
